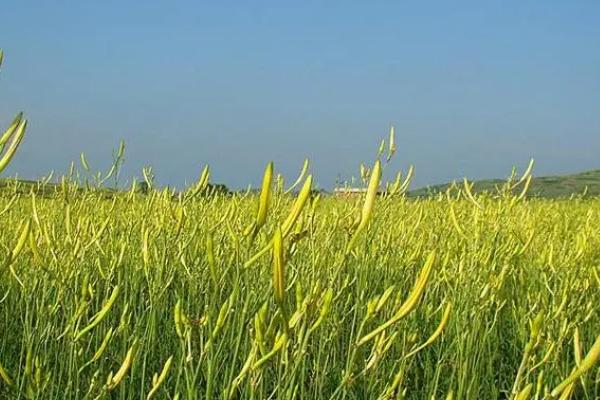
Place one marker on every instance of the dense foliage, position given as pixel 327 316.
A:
pixel 98 294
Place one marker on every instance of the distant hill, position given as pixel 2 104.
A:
pixel 545 186
pixel 24 186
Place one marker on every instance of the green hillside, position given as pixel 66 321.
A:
pixel 11 186
pixel 26 186
pixel 544 186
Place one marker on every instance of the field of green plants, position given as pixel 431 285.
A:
pixel 289 294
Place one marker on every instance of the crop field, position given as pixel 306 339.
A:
pixel 289 293
pixel 276 295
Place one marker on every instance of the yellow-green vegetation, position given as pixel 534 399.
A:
pixel 205 295
pixel 156 295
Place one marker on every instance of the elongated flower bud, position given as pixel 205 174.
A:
pixel 265 197
pixel 278 267
pixel 369 204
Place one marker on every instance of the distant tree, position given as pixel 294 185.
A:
pixel 144 187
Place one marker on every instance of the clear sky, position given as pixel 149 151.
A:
pixel 472 87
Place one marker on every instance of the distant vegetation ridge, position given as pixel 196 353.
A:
pixel 559 186
pixel 555 186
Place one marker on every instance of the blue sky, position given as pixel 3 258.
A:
pixel 473 88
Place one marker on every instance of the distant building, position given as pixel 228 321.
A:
pixel 348 191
